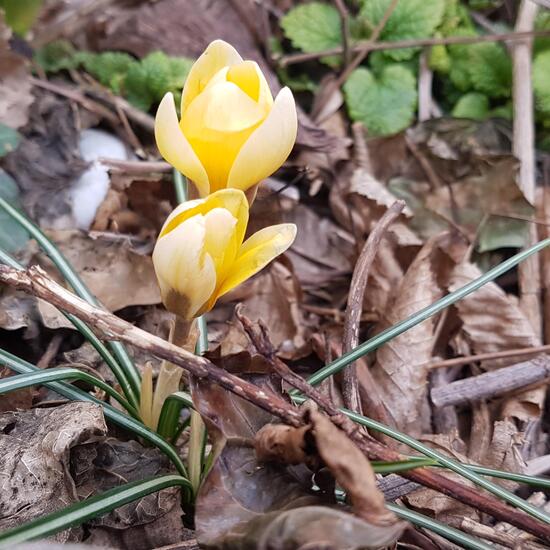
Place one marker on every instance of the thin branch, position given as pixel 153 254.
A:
pixel 344 23
pixel 36 282
pixel 467 359
pixel 350 386
pixel 291 59
pixel 523 147
pixel 493 384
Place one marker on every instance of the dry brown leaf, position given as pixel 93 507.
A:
pixel 274 297
pixel 35 449
pixel 116 275
pixel 400 369
pixel 15 85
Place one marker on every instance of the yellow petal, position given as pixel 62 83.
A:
pixel 232 200
pixel 250 79
pixel 175 148
pixel 217 55
pixel 268 146
pixel 256 252
pixel 186 275
pixel 219 242
pixel 217 123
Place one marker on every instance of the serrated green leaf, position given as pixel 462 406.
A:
pixel 12 236
pixel 541 81
pixel 314 27
pixel 385 105
pixel 9 139
pixel 439 59
pixel 57 56
pixel 110 68
pixel 472 105
pixel 410 19
pixel 542 23
pixel 490 69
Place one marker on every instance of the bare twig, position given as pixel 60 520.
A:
pixel 425 77
pixel 411 43
pixel 467 359
pixel 524 150
pixel 493 384
pixel 350 386
pixel 137 167
pixel 35 281
pixel 344 23
pixel 77 96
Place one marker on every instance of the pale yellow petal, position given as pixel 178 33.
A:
pixel 186 275
pixel 219 242
pixel 256 252
pixel 175 148
pixel 268 146
pixel 250 79
pixel 218 54
pixel 217 124
pixel 233 200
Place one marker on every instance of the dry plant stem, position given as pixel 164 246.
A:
pixel 524 150
pixel 412 43
pixel 350 385
pixel 493 384
pixel 425 77
pixel 80 98
pixel 344 23
pixel 36 282
pixel 136 167
pixel 467 359
pixel 545 264
pixel 377 451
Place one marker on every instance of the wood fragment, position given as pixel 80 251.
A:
pixel 493 384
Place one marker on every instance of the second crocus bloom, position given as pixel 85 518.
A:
pixel 231 132
pixel 200 254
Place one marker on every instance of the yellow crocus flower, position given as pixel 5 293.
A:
pixel 231 132
pixel 200 254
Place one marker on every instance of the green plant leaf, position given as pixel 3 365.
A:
pixel 13 237
pixel 51 375
pixel 450 533
pixel 120 419
pixel 110 68
pixel 57 56
pixel 9 139
pixel 314 27
pixel 541 81
pixel 542 23
pixel 472 105
pixel 90 508
pixel 21 14
pixel 157 73
pixel 485 67
pixel 170 413
pixel 385 105
pixel 410 19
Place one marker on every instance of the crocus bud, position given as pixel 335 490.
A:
pixel 231 132
pixel 200 254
